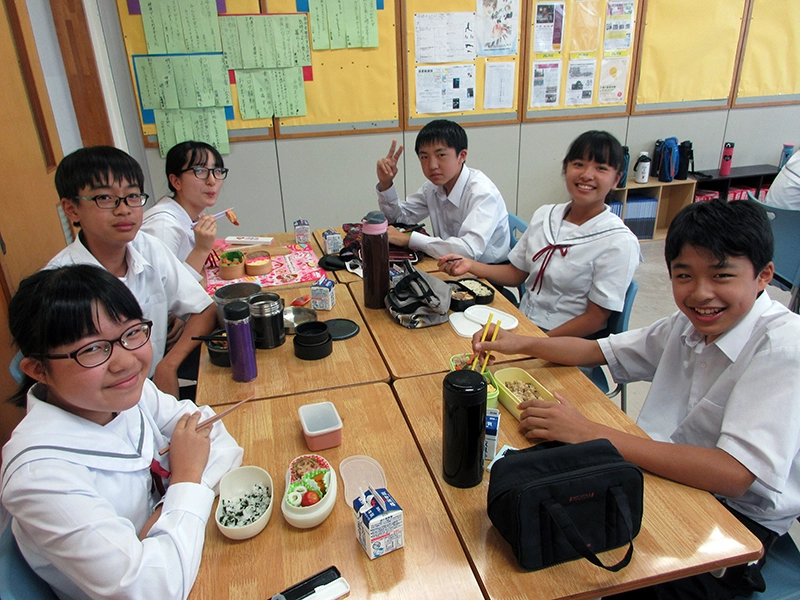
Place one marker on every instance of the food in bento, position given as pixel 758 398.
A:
pixel 307 463
pixel 245 509
pixel 522 390
pixel 231 258
pixel 476 287
pixel 232 216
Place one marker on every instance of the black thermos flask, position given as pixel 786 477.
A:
pixel 463 427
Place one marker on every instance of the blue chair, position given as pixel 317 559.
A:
pixel 781 572
pixel 617 323
pixel 517 226
pixel 17 580
pixel 786 229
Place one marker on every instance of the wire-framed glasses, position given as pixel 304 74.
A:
pixel 97 352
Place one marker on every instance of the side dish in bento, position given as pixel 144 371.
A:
pixel 522 390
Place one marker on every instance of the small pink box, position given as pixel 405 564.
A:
pixel 322 426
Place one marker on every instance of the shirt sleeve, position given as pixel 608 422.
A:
pixel 634 355
pixel 80 533
pixel 185 296
pixel 613 271
pixel 164 227
pixel 413 210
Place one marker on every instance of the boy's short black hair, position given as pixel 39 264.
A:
pixel 599 146
pixel 187 155
pixel 737 228
pixel 96 166
pixel 449 133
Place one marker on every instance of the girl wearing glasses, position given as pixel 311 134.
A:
pixel 82 479
pixel 195 173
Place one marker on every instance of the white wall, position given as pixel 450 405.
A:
pixel 330 180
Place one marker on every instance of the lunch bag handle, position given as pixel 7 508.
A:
pixel 561 518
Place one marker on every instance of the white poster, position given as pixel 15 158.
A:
pixel 445 89
pixel 499 85
pixel 498 27
pixel 444 37
pixel 548 30
pixel 613 74
pixel 580 81
pixel 546 83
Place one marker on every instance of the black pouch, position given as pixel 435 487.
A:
pixel 558 502
pixel 418 299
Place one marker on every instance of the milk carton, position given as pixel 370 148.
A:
pixel 332 241
pixel 302 231
pixel 492 427
pixel 379 522
pixel 323 294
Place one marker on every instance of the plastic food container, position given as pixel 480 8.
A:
pixel 312 341
pixel 218 351
pixel 235 484
pixel 305 517
pixel 510 400
pixel 484 294
pixel 461 361
pixel 460 297
pixel 322 426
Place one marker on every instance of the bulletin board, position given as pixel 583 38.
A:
pixel 473 48
pixel 689 54
pixel 580 57
pixel 770 72
pixel 345 90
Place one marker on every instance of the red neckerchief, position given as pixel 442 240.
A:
pixel 547 252
pixel 158 473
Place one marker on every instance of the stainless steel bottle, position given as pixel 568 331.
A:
pixel 463 427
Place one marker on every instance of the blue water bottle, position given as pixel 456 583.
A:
pixel 786 154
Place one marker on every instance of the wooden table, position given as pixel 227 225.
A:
pixel 411 352
pixel 281 373
pixel 684 531
pixel 432 563
pixel 425 263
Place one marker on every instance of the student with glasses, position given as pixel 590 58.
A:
pixel 95 510
pixel 101 191
pixel 195 174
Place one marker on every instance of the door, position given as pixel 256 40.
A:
pixel 30 227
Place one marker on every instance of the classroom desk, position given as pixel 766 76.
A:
pixel 684 531
pixel 411 352
pixel 280 372
pixel 432 563
pixel 425 263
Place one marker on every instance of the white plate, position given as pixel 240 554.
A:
pixel 479 313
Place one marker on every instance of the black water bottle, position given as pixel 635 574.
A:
pixel 623 176
pixel 375 250
pixel 463 427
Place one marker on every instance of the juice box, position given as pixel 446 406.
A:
pixel 379 522
pixel 492 427
pixel 332 240
pixel 323 294
pixel 302 231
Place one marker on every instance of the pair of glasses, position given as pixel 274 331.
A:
pixel 111 202
pixel 97 352
pixel 204 172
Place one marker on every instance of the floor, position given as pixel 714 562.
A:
pixel 654 301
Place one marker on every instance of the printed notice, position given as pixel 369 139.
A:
pixel 445 89
pixel 613 75
pixel 444 37
pixel 498 27
pixel 545 83
pixel 499 87
pixel 580 81
pixel 548 30
pixel 619 25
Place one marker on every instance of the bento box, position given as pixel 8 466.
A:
pixel 505 380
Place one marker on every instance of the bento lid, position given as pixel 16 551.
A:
pixel 360 471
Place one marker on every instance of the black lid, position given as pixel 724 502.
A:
pixel 375 217
pixel 236 311
pixel 465 381
pixel 342 329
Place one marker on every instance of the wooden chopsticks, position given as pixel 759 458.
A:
pixel 211 420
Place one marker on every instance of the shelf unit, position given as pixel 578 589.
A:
pixel 754 176
pixel 671 196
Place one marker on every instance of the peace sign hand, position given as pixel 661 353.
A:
pixel 387 166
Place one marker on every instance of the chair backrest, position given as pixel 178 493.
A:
pixel 17 580
pixel 618 321
pixel 516 224
pixel 786 230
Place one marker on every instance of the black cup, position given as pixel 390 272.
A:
pixel 463 428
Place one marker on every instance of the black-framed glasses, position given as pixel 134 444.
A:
pixel 204 172
pixel 110 201
pixel 97 352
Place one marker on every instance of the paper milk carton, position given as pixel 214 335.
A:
pixel 379 522
pixel 323 294
pixel 332 240
pixel 302 231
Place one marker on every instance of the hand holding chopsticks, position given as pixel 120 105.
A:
pixel 488 352
pixel 211 420
pixel 483 338
pixel 228 212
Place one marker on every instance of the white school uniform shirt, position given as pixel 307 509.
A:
pixel 78 494
pixel 169 222
pixel 598 265
pixel 157 279
pixel 472 221
pixel 784 191
pixel 741 394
